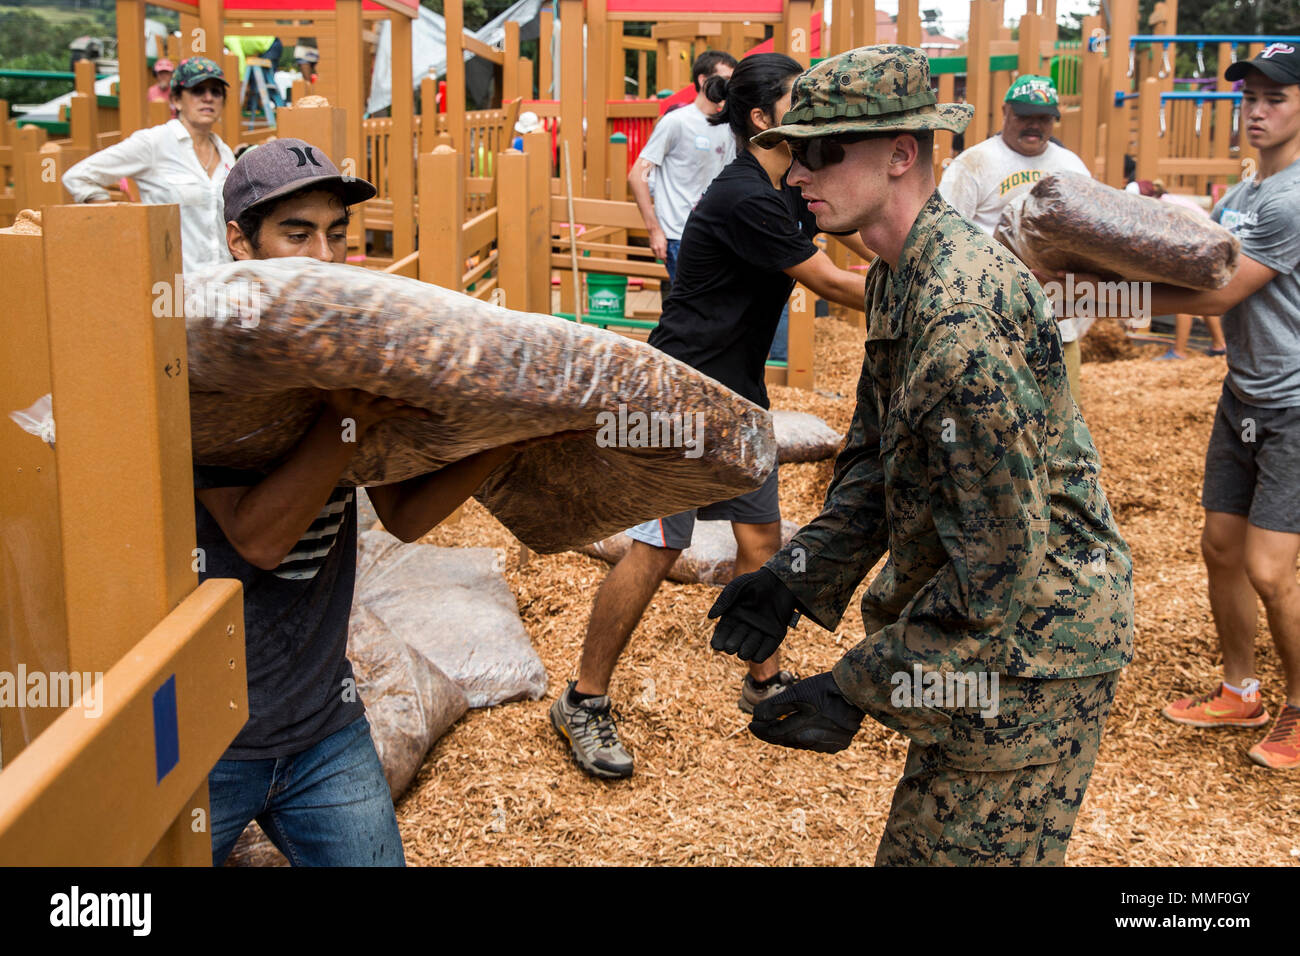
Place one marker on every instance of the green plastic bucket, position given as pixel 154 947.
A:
pixel 606 295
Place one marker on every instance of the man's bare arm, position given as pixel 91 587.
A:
pixel 829 281
pixel 639 181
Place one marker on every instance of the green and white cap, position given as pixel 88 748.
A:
pixel 1033 96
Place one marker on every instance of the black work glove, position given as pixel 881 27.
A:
pixel 756 610
pixel 811 715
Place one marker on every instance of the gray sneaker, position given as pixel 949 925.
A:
pixel 591 734
pixel 751 693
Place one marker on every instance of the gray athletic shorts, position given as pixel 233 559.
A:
pixel 1252 467
pixel 757 507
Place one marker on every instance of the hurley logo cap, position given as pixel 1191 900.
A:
pixel 871 89
pixel 1280 62
pixel 1033 96
pixel 279 167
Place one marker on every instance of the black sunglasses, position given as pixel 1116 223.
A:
pixel 822 151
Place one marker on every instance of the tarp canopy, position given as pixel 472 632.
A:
pixel 429 52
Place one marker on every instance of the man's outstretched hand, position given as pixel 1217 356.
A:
pixel 811 715
pixel 756 610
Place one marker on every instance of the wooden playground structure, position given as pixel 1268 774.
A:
pixel 108 585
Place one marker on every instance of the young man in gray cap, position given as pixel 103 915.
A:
pixel 998 626
pixel 1251 493
pixel 304 766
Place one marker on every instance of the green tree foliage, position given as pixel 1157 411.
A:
pixel 31 41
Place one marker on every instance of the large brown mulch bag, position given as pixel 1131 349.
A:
pixel 711 558
pixel 264 336
pixel 1069 222
pixel 454 606
pixel 410 703
pixel 804 437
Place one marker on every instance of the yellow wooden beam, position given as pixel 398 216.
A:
pixel 102 785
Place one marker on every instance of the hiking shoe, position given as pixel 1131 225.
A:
pixel 751 693
pixel 589 729
pixel 1219 708
pixel 1280 750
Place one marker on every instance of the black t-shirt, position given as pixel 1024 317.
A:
pixel 726 301
pixel 295 624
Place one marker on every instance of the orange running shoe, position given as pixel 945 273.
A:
pixel 1219 708
pixel 1280 750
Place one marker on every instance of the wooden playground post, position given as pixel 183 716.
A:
pixel 1090 88
pixel 545 70
pixel 978 81
pixel 1148 152
pixel 841 32
pixel 537 147
pixel 131 56
pixel 1029 53
pixel 442 212
pixel 864 23
pixel 618 183
pixel 454 12
pixel 510 78
pixel 428 113
pixel 909 22
pixel 1123 20
pixel 597 95
pixel 571 86
pixel 513 245
pixel 323 126
pixel 401 156
pixel 231 127
pixel 798 24
pixel 799 348
pixel 351 99
pixel 211 37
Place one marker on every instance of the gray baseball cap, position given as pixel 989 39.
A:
pixel 279 167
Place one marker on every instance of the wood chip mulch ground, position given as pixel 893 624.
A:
pixel 500 787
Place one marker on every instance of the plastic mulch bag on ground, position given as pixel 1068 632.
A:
pixel 264 336
pixel 1069 222
pixel 804 437
pixel 453 605
pixel 409 702
pixel 711 558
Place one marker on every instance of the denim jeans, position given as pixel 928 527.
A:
pixel 327 806
pixel 780 350
pixel 670 258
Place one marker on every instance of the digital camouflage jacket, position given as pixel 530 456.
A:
pixel 969 462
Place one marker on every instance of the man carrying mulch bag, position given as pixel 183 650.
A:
pixel 968 462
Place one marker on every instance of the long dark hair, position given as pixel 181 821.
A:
pixel 759 81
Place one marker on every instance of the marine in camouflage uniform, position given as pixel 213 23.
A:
pixel 968 461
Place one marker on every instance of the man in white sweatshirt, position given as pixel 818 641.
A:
pixel 981 181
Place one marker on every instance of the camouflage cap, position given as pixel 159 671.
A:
pixel 870 89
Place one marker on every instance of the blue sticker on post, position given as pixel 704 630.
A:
pixel 166 740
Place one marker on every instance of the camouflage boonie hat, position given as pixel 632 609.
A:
pixel 195 70
pixel 870 89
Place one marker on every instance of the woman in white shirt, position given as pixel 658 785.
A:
pixel 182 161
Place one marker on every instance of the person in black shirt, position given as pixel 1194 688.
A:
pixel 745 244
